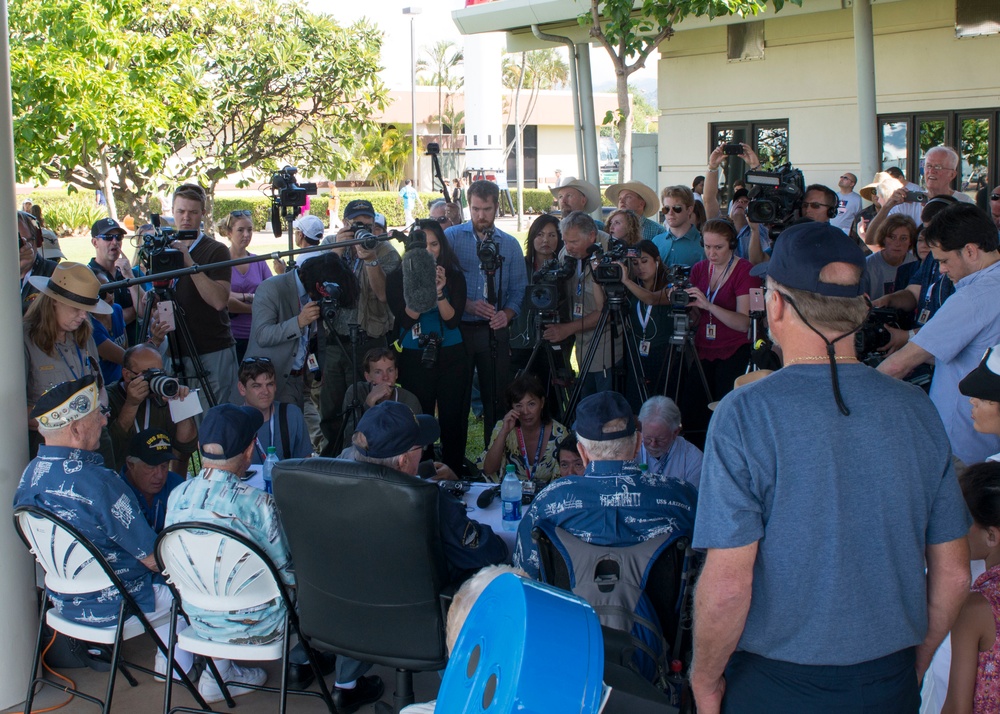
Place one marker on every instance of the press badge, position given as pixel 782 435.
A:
pixel 415 331
pixel 924 316
pixel 578 309
pixel 710 331
pixel 312 363
pixel 644 348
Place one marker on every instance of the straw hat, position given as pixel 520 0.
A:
pixel 885 183
pixel 745 379
pixel 589 191
pixel 74 285
pixel 645 192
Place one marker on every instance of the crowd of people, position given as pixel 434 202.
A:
pixel 359 352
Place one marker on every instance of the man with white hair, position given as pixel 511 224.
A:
pixel 610 504
pixel 666 453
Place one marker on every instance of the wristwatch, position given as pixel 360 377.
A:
pixel 371 263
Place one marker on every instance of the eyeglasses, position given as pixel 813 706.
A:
pixel 243 212
pixel 108 237
pixel 938 167
pixel 106 411
pixel 815 205
pixel 675 209
pixel 845 176
pixel 995 196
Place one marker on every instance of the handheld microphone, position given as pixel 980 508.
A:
pixel 419 279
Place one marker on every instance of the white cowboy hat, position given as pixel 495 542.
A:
pixel 589 191
pixel 645 193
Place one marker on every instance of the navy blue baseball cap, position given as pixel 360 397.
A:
pixel 802 251
pixel 597 410
pixel 359 207
pixel 106 226
pixel 231 427
pixel 391 429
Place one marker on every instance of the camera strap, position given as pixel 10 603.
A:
pixel 146 422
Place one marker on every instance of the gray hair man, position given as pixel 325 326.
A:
pixel 663 450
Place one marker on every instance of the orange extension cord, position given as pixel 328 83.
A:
pixel 51 671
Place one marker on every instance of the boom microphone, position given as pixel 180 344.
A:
pixel 419 279
pixel 276 220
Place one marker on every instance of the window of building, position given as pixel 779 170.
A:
pixel 906 139
pixel 745 41
pixel 530 137
pixel 976 17
pixel 769 139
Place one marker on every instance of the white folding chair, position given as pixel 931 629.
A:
pixel 73 565
pixel 215 569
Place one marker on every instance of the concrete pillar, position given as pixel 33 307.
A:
pixel 864 61
pixel 17 602
pixel 586 86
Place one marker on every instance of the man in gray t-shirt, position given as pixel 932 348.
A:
pixel 814 595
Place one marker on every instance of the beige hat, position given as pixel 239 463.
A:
pixel 745 379
pixel 884 183
pixel 74 285
pixel 589 191
pixel 645 193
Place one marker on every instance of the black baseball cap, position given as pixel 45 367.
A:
pixel 231 427
pixel 597 410
pixel 391 429
pixel 740 193
pixel 151 446
pixel 802 251
pixel 106 226
pixel 984 381
pixel 359 207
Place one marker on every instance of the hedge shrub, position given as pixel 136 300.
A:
pixel 65 213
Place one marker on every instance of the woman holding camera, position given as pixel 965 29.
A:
pixel 543 244
pixel 433 364
pixel 238 228
pixel 650 319
pixel 526 437
pixel 720 289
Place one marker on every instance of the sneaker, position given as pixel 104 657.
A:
pixel 367 690
pixel 234 676
pixel 160 667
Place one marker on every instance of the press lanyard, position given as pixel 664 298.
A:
pixel 260 448
pixel 722 279
pixel 663 464
pixel 524 450
pixel 579 277
pixel 643 320
pixel 79 356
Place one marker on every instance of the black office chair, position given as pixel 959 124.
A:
pixel 369 563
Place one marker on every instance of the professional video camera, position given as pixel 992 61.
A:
pixel 775 196
pixel 154 248
pixel 678 279
pixel 287 191
pixel 330 301
pixel 542 295
pixel 873 335
pixel 160 383
pixel 607 267
pixel 488 252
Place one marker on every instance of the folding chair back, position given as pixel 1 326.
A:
pixel 70 566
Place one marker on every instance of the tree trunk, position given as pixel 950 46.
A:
pixel 108 188
pixel 624 125
pixel 209 228
pixel 519 148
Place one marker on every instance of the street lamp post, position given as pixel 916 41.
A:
pixel 413 12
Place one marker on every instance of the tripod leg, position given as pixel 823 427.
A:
pixel 631 350
pixel 701 371
pixel 587 361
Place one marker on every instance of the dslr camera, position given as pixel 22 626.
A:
pixel 160 383
pixel 330 301
pixel 286 191
pixel 430 344
pixel 775 196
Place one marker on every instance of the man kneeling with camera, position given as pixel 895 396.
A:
pixel 139 402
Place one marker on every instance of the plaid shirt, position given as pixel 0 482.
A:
pixel 512 278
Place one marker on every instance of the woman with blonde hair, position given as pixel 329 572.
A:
pixel 625 225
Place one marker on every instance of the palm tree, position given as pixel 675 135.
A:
pixel 542 69
pixel 386 151
pixel 436 67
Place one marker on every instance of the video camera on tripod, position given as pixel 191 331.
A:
pixel 607 264
pixel 678 278
pixel 287 191
pixel 155 252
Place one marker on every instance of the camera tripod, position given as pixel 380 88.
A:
pixel 163 292
pixel 612 312
pixel 357 335
pixel 558 373
pixel 682 347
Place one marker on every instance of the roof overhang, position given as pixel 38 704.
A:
pixel 559 17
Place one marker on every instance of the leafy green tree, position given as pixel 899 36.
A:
pixel 629 30
pixel 128 96
pixel 386 151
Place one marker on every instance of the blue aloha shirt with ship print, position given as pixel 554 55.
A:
pixel 220 497
pixel 74 485
pixel 611 504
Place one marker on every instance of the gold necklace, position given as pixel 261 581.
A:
pixel 820 358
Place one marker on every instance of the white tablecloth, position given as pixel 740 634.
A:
pixel 490 515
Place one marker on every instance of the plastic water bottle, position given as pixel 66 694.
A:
pixel 510 497
pixel 675 682
pixel 269 462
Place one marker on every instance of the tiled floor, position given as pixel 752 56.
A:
pixel 148 696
